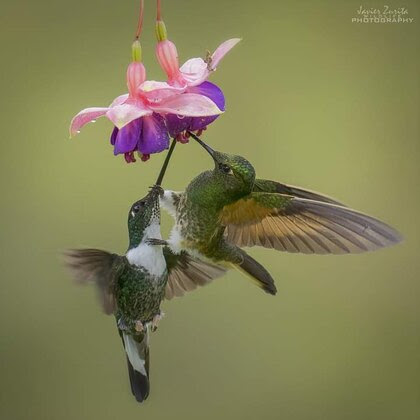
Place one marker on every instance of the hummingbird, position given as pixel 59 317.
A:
pixel 227 208
pixel 132 286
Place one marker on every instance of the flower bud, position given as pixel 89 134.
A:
pixel 136 50
pixel 161 33
pixel 136 75
pixel 167 56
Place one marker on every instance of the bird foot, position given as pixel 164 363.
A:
pixel 138 326
pixel 158 189
pixel 122 325
pixel 156 320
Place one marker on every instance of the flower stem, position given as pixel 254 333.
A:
pixel 140 22
pixel 165 163
pixel 158 10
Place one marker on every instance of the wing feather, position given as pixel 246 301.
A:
pixel 300 225
pixel 265 185
pixel 96 266
pixel 186 273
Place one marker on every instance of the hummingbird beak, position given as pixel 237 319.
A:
pixel 204 145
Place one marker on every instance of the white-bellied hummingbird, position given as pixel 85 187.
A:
pixel 132 286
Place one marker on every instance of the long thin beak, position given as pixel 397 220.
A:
pixel 204 145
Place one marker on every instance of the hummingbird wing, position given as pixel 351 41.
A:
pixel 186 273
pixel 99 267
pixel 265 185
pixel 299 225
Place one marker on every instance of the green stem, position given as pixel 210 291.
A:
pixel 165 163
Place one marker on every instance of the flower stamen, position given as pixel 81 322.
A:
pixel 145 157
pixel 208 60
pixel 129 157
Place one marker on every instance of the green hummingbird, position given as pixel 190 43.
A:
pixel 133 286
pixel 227 208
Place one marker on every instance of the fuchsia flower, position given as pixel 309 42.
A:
pixel 138 116
pixel 191 77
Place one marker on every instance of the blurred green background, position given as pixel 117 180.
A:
pixel 313 100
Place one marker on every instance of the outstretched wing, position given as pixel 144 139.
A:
pixel 186 273
pixel 294 224
pixel 265 185
pixel 99 267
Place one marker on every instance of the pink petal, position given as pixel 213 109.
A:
pixel 123 114
pixel 188 105
pixel 85 116
pixel 221 51
pixel 167 56
pixel 156 91
pixel 194 71
pixel 119 100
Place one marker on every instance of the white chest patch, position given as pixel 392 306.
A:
pixel 167 202
pixel 149 256
pixel 176 239
pixel 177 243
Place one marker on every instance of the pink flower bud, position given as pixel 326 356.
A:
pixel 136 75
pixel 167 56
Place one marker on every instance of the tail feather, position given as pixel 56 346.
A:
pixel 137 350
pixel 257 273
pixel 140 386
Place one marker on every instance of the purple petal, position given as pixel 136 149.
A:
pixel 212 91
pixel 114 135
pixel 127 137
pixel 176 125
pixel 154 137
pixel 216 95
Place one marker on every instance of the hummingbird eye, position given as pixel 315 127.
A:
pixel 136 208
pixel 225 168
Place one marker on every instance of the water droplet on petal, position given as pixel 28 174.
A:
pixel 181 117
pixel 94 121
pixel 78 132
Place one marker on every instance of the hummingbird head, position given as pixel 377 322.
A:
pixel 144 218
pixel 234 170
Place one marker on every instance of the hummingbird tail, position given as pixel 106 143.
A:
pixel 257 272
pixel 137 350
